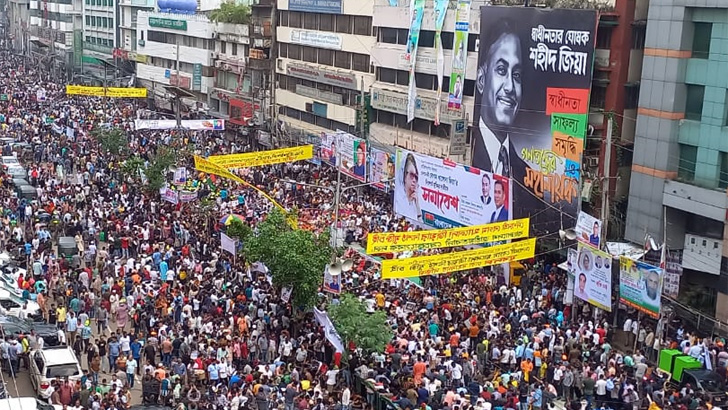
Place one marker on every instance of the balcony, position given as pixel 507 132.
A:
pixel 263 3
pixel 261 28
pixel 259 64
pixel 712 203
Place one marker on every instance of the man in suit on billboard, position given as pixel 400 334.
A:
pixel 499 195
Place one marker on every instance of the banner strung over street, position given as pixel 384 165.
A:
pixel 640 286
pixel 195 125
pixel 442 194
pixel 458 261
pixel 111 92
pixel 260 158
pixel 593 273
pixel 532 102
pixel 446 238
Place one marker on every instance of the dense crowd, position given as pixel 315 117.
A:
pixel 151 300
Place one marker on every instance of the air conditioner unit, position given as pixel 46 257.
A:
pixel 214 54
pixel 218 64
pixel 226 67
pixel 592 162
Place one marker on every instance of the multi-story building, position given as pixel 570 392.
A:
pixel 50 31
pixel 680 169
pixel 100 25
pixel 125 52
pixel 18 16
pixel 324 61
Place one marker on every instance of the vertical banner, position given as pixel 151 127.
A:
pixel 440 12
pixel 381 168
pixel 593 277
pixel 532 97
pixel 332 283
pixel 329 330
pixel 640 286
pixel 417 11
pixel 346 151
pixel 588 229
pixel 196 77
pixel 459 55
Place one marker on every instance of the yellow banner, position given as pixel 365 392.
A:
pixel 256 159
pixel 458 261
pixel 111 92
pixel 208 167
pixel 445 238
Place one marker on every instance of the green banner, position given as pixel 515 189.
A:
pixel 197 77
pixel 167 23
pixel 569 124
pixel 77 48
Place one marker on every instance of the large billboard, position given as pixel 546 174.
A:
pixel 346 151
pixel 640 286
pixel 593 275
pixel 532 93
pixel 381 168
pixel 442 194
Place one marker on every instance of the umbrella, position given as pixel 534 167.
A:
pixel 227 220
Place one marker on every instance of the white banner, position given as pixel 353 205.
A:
pixel 331 334
pixel 169 195
pixel 319 39
pixel 443 194
pixel 593 277
pixel 228 243
pixel 196 125
pixel 588 229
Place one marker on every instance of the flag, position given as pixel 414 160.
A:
pixel 331 334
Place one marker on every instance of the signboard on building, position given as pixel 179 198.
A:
pixel 425 107
pixel 459 137
pixel 77 47
pixel 171 24
pixel 322 75
pixel 179 81
pixel 316 6
pixel 317 94
pixel 197 77
pixel 320 39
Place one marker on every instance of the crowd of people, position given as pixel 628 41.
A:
pixel 153 302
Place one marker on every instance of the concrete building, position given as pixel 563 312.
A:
pixel 50 30
pixel 125 52
pixel 681 144
pixel 324 60
pixel 100 26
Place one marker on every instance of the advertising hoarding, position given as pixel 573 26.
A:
pixel 588 229
pixel 197 125
pixel 316 6
pixel 593 277
pixel 381 168
pixel 443 194
pixel 532 92
pixel 342 149
pixel 640 286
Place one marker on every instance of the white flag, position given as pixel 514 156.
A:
pixel 331 334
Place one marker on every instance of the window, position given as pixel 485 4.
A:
pixel 363 25
pixel 384 117
pixel 598 97
pixel 694 102
pixel 360 62
pixel 402 36
pixel 283 18
pixel 421 126
pixel 447 39
pixel 387 35
pixel 469 88
pixel 325 57
pixel 326 22
pixel 686 166
pixel 701 39
pixel 402 77
pixel 632 96
pixel 343 24
pixel 723 180
pixel 425 81
pixel 342 59
pixel 604 37
pixel 309 21
pixel 427 38
pixel 283 50
pixel 88 20
pixel 223 47
pixel 294 51
pixel 638 36
pixel 294 19
pixel 386 75
pixel 473 41
pixel 235 49
pixel 105 22
pixel 98 21
pixel 309 54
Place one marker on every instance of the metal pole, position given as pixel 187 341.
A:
pixel 363 110
pixel 337 201
pixel 606 180
pixel 179 98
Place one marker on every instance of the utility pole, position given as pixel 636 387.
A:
pixel 363 109
pixel 179 98
pixel 606 180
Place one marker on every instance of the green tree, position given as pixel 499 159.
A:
pixel 295 257
pixel 231 12
pixel 239 230
pixel 368 331
pixel 112 140
pixel 156 172
pixel 131 167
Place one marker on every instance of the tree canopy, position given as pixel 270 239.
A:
pixel 368 331
pixel 231 12
pixel 112 140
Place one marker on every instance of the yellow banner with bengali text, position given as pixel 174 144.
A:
pixel 111 92
pixel 458 261
pixel 446 238
pixel 260 158
pixel 208 167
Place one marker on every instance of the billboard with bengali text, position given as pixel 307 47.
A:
pixel 532 92
pixel 443 194
pixel 593 277
pixel 588 229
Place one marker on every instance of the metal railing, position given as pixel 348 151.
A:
pixel 368 393
pixel 691 319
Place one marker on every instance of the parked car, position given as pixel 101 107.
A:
pixel 12 303
pixel 53 363
pixel 26 403
pixel 11 325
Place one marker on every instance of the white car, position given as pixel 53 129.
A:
pixel 55 363
pixel 27 403
pixel 10 161
pixel 11 303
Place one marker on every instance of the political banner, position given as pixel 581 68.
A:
pixel 640 286
pixel 417 12
pixel 440 13
pixel 180 176
pixel 385 242
pixel 442 194
pixel 329 330
pixel 227 243
pixel 460 55
pixel 332 283
pixel 593 277
pixel 588 229
pixel 344 150
pixel 208 167
pixel 169 195
pixel 195 125
pixel 381 169
pixel 187 196
pixel 458 261
pixel 532 96
pixel 111 92
pixel 260 158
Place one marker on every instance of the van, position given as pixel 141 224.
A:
pixel 27 192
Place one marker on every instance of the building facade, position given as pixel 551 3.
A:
pixel 125 52
pixel 680 169
pixel 324 64
pixel 50 31
pixel 100 26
